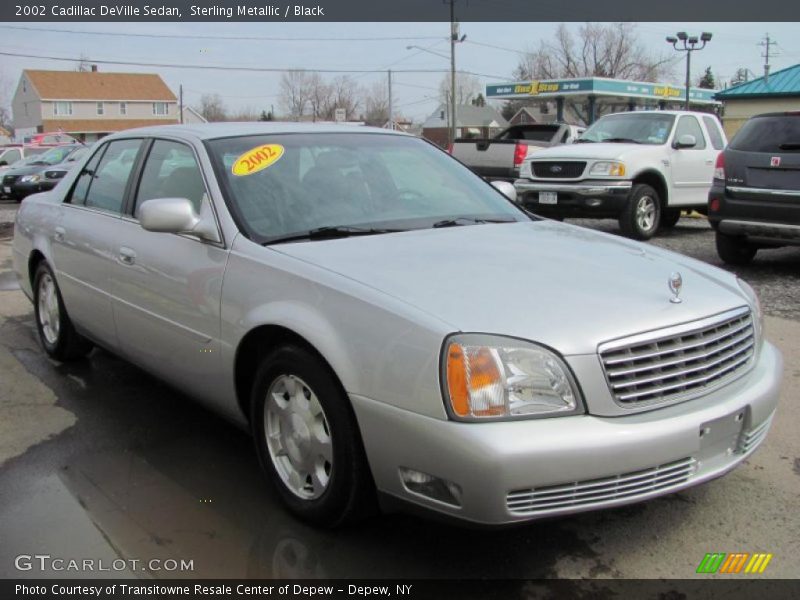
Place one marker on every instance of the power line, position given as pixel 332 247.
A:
pixel 221 37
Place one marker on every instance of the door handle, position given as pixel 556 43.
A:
pixel 58 234
pixel 127 256
pixel 709 162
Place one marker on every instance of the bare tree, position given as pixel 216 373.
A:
pixel 5 103
pixel 343 93
pixel 295 93
pixel 597 50
pixel 246 113
pixel 467 88
pixel 376 104
pixel 212 107
pixel 319 95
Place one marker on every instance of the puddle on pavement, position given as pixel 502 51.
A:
pixel 8 281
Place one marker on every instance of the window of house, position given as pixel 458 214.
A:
pixel 123 108
pixel 62 108
pixel 100 109
pixel 160 108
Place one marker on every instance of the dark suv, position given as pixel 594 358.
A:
pixel 754 202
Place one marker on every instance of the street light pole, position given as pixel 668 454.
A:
pixel 453 39
pixel 690 44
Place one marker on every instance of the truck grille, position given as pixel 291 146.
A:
pixel 628 486
pixel 679 362
pixel 557 169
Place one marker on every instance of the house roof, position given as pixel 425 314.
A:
pixel 100 125
pixel 785 82
pixel 467 115
pixel 94 85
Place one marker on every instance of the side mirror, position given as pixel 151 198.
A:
pixel 177 215
pixel 506 188
pixel 687 140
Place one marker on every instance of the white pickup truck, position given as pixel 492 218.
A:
pixel 642 168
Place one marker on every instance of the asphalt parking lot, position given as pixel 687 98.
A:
pixel 98 459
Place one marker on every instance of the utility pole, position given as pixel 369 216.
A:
pixel 180 103
pixel 391 111
pixel 767 44
pixel 453 39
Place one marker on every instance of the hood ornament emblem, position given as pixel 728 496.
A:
pixel 675 282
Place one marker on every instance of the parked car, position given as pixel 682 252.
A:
pixel 642 168
pixel 13 153
pixel 29 178
pixel 362 303
pixel 49 139
pixel 755 200
pixel 500 157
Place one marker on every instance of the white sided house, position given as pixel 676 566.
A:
pixel 89 105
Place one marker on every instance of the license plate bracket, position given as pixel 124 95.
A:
pixel 548 197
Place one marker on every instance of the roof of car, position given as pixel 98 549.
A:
pixel 666 112
pixel 207 131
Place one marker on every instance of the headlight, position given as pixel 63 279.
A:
pixel 492 377
pixel 755 307
pixel 30 178
pixel 609 168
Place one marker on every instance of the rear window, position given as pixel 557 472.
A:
pixel 775 134
pixel 541 133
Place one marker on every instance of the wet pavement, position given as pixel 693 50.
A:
pixel 122 466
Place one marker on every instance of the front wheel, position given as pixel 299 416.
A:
pixel 56 332
pixel 736 251
pixel 307 439
pixel 642 214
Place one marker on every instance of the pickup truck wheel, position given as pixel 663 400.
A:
pixel 307 439
pixel 641 216
pixel 734 250
pixel 56 332
pixel 670 218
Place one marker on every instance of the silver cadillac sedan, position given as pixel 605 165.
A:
pixel 392 328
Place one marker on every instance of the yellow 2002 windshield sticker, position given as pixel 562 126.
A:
pixel 257 159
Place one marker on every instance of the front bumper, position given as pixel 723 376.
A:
pixel 515 471
pixel 590 198
pixel 20 190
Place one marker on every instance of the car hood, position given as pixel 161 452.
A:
pixel 596 150
pixel 30 170
pixel 560 285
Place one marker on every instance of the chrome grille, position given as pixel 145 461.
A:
pixel 679 362
pixel 599 491
pixel 557 169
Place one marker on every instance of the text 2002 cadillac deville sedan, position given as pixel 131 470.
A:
pixel 385 321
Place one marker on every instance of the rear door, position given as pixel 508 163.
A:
pixel 692 168
pixel 84 236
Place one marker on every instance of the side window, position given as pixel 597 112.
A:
pixel 11 156
pixel 171 171
pixel 85 179
pixel 689 125
pixel 717 141
pixel 108 181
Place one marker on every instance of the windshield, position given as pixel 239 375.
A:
pixel 641 128
pixel 54 155
pixel 278 186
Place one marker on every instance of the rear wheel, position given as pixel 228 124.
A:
pixel 670 217
pixel 642 215
pixel 735 250
pixel 56 332
pixel 307 439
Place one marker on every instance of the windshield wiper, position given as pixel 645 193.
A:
pixel 458 221
pixel 330 233
pixel 790 146
pixel 621 140
pixel 582 141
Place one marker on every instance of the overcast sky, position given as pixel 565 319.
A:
pixel 734 45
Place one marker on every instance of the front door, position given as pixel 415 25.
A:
pixel 167 287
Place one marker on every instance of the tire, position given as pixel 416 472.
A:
pixel 670 218
pixel 642 214
pixel 307 439
pixel 734 250
pixel 56 332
